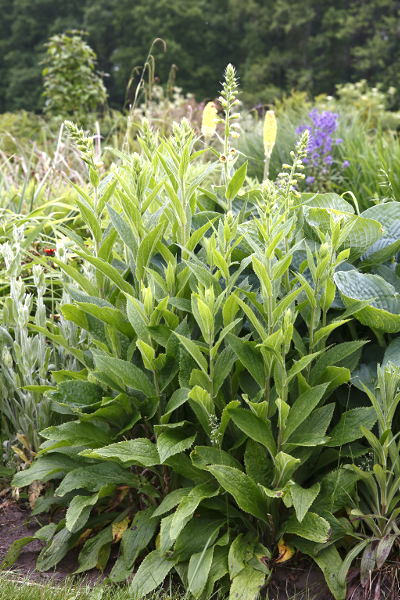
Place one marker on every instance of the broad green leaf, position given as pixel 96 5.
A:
pixel 203 456
pixel 313 527
pixel 332 356
pixel 194 351
pixel 55 550
pixel 250 357
pixel 247 584
pixel 384 310
pixel 348 428
pixel 44 468
pixel 137 451
pixel 254 427
pixel 329 562
pixel 77 434
pixel 123 372
pixel 186 507
pixel 150 575
pixel 285 466
pixel 243 489
pixel 94 477
pixel 303 498
pixel 173 441
pixel 199 569
pixel 78 511
pixel 134 541
pixel 170 501
pixel 109 271
pixel 236 182
pixel 14 550
pixel 302 408
pixel 91 553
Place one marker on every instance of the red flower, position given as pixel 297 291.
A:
pixel 49 251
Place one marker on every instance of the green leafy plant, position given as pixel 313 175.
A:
pixel 71 85
pixel 207 420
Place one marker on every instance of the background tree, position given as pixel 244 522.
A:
pixel 276 45
pixel 71 85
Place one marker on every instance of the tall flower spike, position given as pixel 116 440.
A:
pixel 269 138
pixel 209 121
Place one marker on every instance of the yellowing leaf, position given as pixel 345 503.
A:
pixel 285 552
pixel 119 528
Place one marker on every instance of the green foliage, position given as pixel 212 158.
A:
pixel 71 85
pixel 221 324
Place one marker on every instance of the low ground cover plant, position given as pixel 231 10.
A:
pixel 205 425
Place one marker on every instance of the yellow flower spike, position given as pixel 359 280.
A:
pixel 285 552
pixel 269 134
pixel 210 120
pixel 269 137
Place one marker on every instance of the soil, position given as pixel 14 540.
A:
pixel 16 523
pixel 299 577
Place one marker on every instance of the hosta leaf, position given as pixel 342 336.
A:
pixel 150 575
pixel 328 200
pixel 244 490
pixel 363 233
pixel 384 310
pixel 138 451
pixel 348 428
pixel 313 527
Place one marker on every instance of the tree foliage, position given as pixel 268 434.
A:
pixel 276 45
pixel 71 84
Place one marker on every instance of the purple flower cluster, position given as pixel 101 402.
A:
pixel 322 141
pixel 323 126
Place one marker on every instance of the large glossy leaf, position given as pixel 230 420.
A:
pixel 384 310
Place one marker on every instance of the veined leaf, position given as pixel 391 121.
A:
pixel 150 575
pixel 245 491
pixel 384 310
